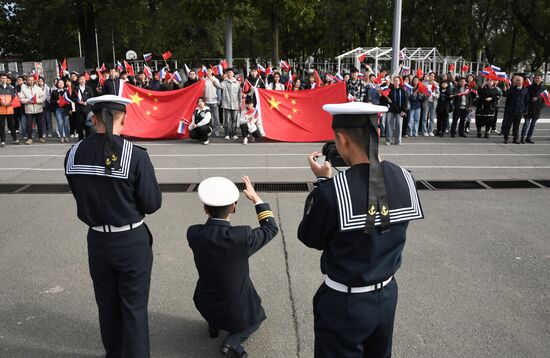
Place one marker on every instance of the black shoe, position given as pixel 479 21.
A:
pixel 452 135
pixel 230 352
pixel 529 140
pixel 478 134
pixel 515 141
pixel 463 135
pixel 506 141
pixel 522 141
pixel 486 135
pixel 213 332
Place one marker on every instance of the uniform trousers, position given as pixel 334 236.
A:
pixel 354 325
pixel 530 120
pixel 442 122
pixel 235 339
pixel 120 267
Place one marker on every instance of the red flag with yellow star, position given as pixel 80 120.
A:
pixel 155 114
pixel 298 116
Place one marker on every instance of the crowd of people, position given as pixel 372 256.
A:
pixel 418 105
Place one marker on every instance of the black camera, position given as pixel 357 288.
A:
pixel 331 155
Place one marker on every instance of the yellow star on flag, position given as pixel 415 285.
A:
pixel 149 94
pixel 286 95
pixel 274 104
pixel 156 100
pixel 136 99
pixel 294 110
pixel 148 113
pixel 289 116
pixel 155 108
pixel 293 101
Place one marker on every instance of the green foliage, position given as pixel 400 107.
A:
pixel 505 31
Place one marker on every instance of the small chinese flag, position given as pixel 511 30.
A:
pixel 166 55
pixel 465 68
pixel 452 67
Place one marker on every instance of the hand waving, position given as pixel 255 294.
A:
pixel 249 192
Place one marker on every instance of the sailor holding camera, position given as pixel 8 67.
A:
pixel 361 228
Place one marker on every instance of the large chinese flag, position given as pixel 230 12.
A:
pixel 155 114
pixel 298 116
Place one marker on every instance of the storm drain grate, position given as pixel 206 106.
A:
pixel 295 187
pixel 545 183
pixel 455 184
pixel 46 189
pixel 174 187
pixel 510 184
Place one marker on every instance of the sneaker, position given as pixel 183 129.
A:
pixel 57 134
pixel 530 141
pixel 235 137
pixel 16 142
pixel 72 136
pixel 216 133
pixel 29 141
pixel 406 136
pixel 431 134
pixel 388 143
pixel 398 143
pixel 496 131
pixel 3 144
pixel 206 143
pixel 467 130
pixel 49 135
pixel 245 140
pixel 226 137
pixel 425 134
pixel 42 140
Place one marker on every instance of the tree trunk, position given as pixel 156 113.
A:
pixel 86 26
pixel 274 39
pixel 513 47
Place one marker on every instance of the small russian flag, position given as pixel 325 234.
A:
pixel 119 66
pixel 176 76
pixel 501 75
pixel 546 97
pixel 485 73
pixel 147 57
pixel 495 68
pixel 408 87
pixel 182 127
pixel 218 70
pixel 405 69
pixel 162 73
pixel 66 97
pixel 260 68
pixel 339 76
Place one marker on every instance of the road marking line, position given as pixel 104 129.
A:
pixel 289 168
pixel 297 155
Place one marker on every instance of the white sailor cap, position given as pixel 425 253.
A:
pixel 352 114
pixel 109 101
pixel 218 191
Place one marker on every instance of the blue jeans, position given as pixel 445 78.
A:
pixel 23 125
pixel 394 126
pixel 414 120
pixel 48 129
pixel 383 124
pixel 428 117
pixel 235 339
pixel 529 124
pixel 62 119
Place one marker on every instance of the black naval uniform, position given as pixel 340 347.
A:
pixel 349 324
pixel 120 262
pixel 225 295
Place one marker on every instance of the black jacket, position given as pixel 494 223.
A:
pixel 56 94
pixel 86 94
pixel 190 82
pixel 517 100
pixel 444 102
pixel 534 91
pixel 225 295
pixel 484 107
pixel 111 86
pixel 397 100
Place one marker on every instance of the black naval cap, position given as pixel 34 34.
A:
pixel 105 105
pixel 365 115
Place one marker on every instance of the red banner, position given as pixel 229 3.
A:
pixel 298 116
pixel 155 114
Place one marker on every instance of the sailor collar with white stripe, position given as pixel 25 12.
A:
pixel 99 170
pixel 408 209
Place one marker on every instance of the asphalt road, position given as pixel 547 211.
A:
pixel 474 280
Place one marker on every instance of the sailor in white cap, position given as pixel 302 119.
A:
pixel 359 220
pixel 114 184
pixel 225 295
